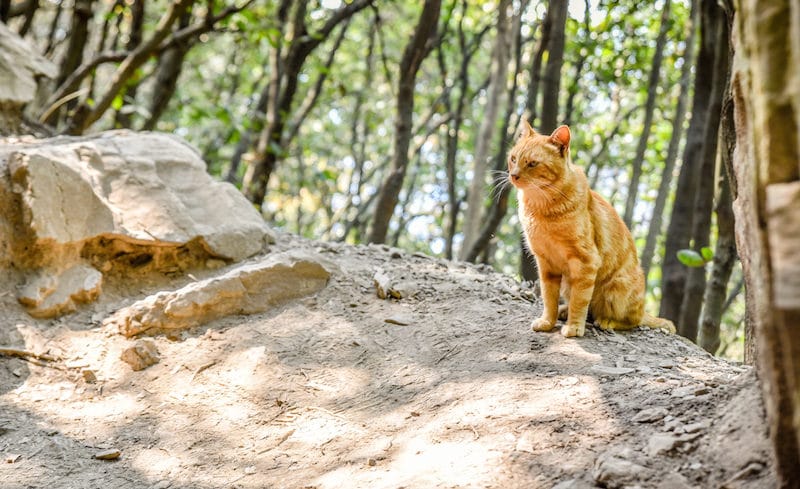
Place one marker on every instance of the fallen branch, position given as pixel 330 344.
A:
pixel 11 351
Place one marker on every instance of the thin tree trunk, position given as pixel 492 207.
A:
pixel 535 73
pixel 285 71
pixel 551 87
pixel 574 88
pixel 497 211
pixel 704 198
pixel 656 222
pixel 85 115
pixel 413 55
pixel 649 109
pixel 124 118
pixel 170 65
pixel 477 190
pixel 78 36
pixel 31 7
pixel 724 258
pixel 679 230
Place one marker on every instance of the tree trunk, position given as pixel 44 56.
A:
pixel 497 84
pixel 497 210
pixel 413 55
pixel 535 76
pixel 124 118
pixel 555 60
pixel 767 108
pixel 170 65
pixel 656 222
pixel 704 198
pixel 679 231
pixel 724 258
pixel 557 16
pixel 284 74
pixel 649 109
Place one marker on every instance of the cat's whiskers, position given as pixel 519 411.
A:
pixel 499 185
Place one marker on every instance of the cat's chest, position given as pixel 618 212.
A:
pixel 556 242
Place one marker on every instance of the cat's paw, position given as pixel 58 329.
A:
pixel 542 324
pixel 605 324
pixel 563 311
pixel 570 330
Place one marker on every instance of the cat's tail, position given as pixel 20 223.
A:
pixel 656 322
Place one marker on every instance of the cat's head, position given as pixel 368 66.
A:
pixel 538 159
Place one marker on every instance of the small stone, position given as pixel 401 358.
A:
pixel 399 319
pixel 650 415
pixel 612 371
pixel 674 480
pixel 568 381
pixel 372 462
pixel 573 484
pixel 666 364
pixel 250 470
pixel 661 443
pixel 162 484
pixel 109 454
pixel 613 471
pixel 382 283
pixel 141 355
pixel 690 390
pixel 89 376
pixel 695 427
pixel 12 458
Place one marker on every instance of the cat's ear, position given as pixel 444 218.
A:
pixel 524 130
pixel 560 137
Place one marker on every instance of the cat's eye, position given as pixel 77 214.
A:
pixel 512 159
pixel 531 164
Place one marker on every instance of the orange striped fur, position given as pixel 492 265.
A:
pixel 582 248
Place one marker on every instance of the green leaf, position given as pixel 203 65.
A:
pixel 116 104
pixel 708 253
pixel 329 174
pixel 691 258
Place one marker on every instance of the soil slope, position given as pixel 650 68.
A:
pixel 331 392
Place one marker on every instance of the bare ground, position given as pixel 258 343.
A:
pixel 323 392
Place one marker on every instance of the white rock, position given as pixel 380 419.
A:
pixel 612 371
pixel 49 294
pixel 146 188
pixel 246 289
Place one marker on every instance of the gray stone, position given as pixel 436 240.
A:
pixel 247 289
pixel 613 471
pixel 690 390
pixel 661 443
pixel 141 355
pixel 673 480
pixel 650 415
pixel 611 371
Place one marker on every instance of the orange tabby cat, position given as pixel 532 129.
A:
pixel 582 247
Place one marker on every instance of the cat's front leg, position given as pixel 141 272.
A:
pixel 581 287
pixel 551 286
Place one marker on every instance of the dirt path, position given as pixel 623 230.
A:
pixel 323 392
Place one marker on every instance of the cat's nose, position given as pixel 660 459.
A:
pixel 514 176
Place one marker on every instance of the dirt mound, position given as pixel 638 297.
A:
pixel 444 387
